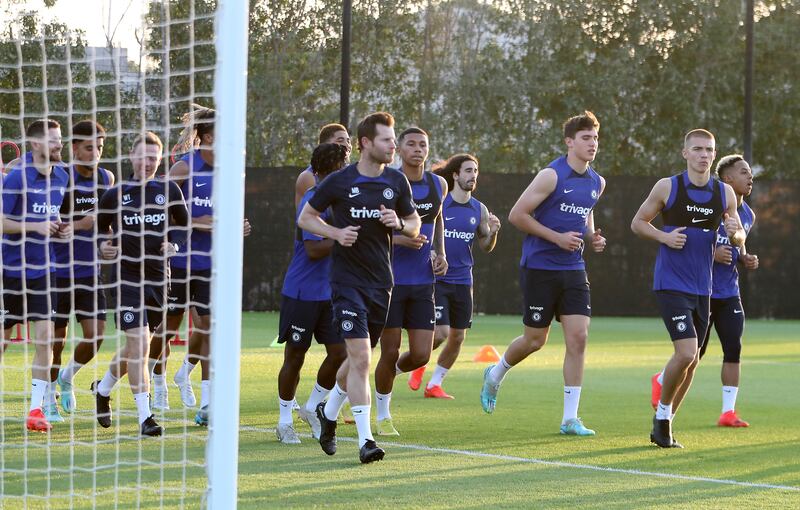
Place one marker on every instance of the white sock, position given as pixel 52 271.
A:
pixel 335 402
pixel 664 412
pixel 660 378
pixel 572 397
pixel 382 405
pixel 151 364
pixel 729 394
pixel 438 376
pixel 70 370
pixel 497 373
pixel 205 392
pixel 397 369
pixel 160 381
pixel 38 389
pixel 142 406
pixel 361 415
pixel 50 394
pixel 285 407
pixel 185 370
pixel 318 394
pixel 107 384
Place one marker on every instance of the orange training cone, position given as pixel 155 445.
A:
pixel 487 354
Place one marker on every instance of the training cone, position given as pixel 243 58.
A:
pixel 487 354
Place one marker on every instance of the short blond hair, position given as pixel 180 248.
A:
pixel 147 138
pixel 702 133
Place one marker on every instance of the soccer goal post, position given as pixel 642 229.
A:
pixel 226 328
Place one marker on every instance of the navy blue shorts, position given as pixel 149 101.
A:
pixel 194 290
pixel 360 312
pixel 85 297
pixel 140 305
pixel 31 303
pixel 684 314
pixel 453 305
pixel 727 317
pixel 411 307
pixel 548 294
pixel 300 320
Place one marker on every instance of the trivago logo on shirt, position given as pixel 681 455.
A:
pixel 457 234
pixel 202 202
pixel 575 209
pixel 364 213
pixel 44 208
pixel 138 219
pixel 702 210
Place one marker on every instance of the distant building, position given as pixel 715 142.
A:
pixel 114 61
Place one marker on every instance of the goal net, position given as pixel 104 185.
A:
pixel 112 232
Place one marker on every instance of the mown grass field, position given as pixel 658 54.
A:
pixel 450 454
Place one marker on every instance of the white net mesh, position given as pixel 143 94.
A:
pixel 49 70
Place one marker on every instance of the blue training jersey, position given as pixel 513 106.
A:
pixel 307 279
pixel 411 266
pixel 197 189
pixel 29 196
pixel 565 210
pixel 725 279
pixel 78 258
pixel 461 222
pixel 700 210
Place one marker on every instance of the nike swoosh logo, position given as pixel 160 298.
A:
pixel 37 190
pixel 737 311
pixel 352 195
pixel 126 203
pixel 695 220
pixel 448 219
pixel 433 322
pixel 201 184
pixel 568 191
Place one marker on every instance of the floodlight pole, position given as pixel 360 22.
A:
pixel 748 83
pixel 344 95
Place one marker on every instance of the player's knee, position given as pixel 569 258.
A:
pixel 576 343
pixel 534 341
pixel 294 357
pixel 336 356
pixel 686 358
pixel 732 355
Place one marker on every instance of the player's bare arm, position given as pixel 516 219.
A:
pixel 653 204
pixel 521 215
pixel 595 236
pixel 310 220
pixel 179 172
pixel 439 255
pixel 408 225
pixel 318 249
pixel 487 230
pixel 733 225
pixel 305 181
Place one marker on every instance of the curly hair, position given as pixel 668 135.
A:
pixel 327 158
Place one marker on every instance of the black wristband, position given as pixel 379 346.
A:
pixel 402 224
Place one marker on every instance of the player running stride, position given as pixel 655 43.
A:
pixel 79 282
pixel 465 218
pixel 306 310
pixel 146 216
pixel 692 205
pixel 33 192
pixel 415 264
pixel 556 214
pixel 727 313
pixel 369 202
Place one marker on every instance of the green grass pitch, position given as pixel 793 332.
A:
pixel 450 454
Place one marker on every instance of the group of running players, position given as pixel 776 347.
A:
pixel 377 250
pixel 381 249
pixel 62 223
